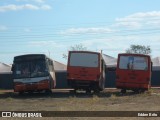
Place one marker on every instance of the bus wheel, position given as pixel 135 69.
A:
pixel 123 91
pixel 30 92
pixel 73 91
pixel 141 90
pixel 88 91
pixel 39 91
pixel 48 91
pixel 96 91
pixel 137 91
pixel 21 93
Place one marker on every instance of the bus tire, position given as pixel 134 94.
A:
pixel 137 91
pixel 142 90
pixel 30 92
pixel 123 91
pixel 96 91
pixel 21 93
pixel 88 91
pixel 48 91
pixel 74 91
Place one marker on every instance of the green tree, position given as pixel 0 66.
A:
pixel 139 49
pixel 77 47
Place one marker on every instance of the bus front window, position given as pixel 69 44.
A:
pixel 30 69
pixel 22 70
pixel 38 68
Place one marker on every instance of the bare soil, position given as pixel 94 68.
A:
pixel 63 100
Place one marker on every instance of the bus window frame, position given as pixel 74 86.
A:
pixel 148 68
pixel 69 56
pixel 29 62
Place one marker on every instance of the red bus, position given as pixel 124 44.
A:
pixel 86 71
pixel 33 72
pixel 133 72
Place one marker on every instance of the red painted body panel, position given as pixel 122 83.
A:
pixel 133 79
pixel 82 73
pixel 42 85
pixel 31 87
pixel 80 76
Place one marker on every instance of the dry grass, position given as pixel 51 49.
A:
pixel 64 101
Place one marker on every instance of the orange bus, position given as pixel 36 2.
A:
pixel 133 72
pixel 86 71
pixel 33 72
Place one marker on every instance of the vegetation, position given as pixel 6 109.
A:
pixel 77 47
pixel 139 49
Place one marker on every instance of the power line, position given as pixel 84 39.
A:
pixel 62 38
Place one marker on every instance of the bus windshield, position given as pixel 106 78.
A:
pixel 84 60
pixel 133 63
pixel 30 69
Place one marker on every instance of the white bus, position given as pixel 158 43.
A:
pixel 33 73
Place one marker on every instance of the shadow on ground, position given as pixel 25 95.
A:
pixel 64 94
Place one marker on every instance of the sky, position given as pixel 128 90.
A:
pixel 51 26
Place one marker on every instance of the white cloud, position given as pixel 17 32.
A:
pixel 102 44
pixel 118 44
pixel 139 16
pixel 13 7
pixel 87 30
pixel 37 1
pixel 46 7
pixel 47 43
pixel 155 23
pixel 138 20
pixel 133 25
pixel 3 28
pixel 120 39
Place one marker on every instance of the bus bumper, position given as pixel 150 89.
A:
pixel 31 87
pixel 132 85
pixel 83 84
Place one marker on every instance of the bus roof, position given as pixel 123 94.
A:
pixel 133 54
pixel 84 52
pixel 26 56
pixel 29 55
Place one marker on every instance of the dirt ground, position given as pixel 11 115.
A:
pixel 63 100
